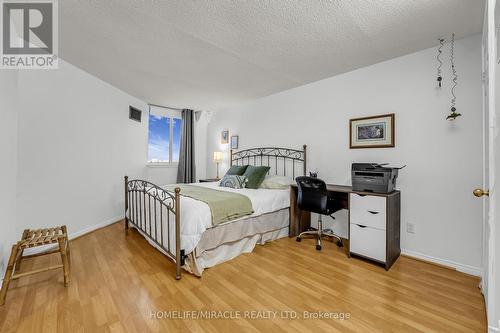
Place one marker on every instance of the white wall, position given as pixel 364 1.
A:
pixel 162 175
pixel 444 158
pixel 75 145
pixel 8 164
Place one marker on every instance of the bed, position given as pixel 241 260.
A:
pixel 183 228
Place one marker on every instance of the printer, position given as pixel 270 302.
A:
pixel 373 177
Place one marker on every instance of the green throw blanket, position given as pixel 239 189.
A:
pixel 224 206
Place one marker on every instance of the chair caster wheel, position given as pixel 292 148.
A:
pixel 340 243
pixel 298 239
pixel 318 247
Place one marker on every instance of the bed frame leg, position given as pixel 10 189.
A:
pixel 178 271
pixel 179 264
pixel 179 254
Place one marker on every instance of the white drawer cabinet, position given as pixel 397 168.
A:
pixel 368 210
pixel 374 226
pixel 368 242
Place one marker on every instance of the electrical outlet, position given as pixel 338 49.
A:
pixel 410 228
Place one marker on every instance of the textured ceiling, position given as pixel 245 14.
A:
pixel 209 54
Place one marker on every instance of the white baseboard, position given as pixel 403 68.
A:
pixel 70 236
pixel 467 269
pixel 96 226
pixel 492 329
pixel 76 234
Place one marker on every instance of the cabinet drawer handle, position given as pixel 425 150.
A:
pixel 361 226
pixel 373 212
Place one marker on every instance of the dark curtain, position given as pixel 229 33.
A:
pixel 186 172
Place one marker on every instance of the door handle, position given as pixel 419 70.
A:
pixel 372 212
pixel 479 192
pixel 361 226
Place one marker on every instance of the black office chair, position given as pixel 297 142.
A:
pixel 313 197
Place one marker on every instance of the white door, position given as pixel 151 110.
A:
pixel 491 74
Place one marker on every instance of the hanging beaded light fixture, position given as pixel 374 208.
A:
pixel 454 114
pixel 438 57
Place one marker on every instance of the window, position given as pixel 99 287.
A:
pixel 164 138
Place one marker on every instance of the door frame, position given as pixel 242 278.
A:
pixel 488 283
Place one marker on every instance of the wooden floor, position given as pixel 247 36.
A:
pixel 121 284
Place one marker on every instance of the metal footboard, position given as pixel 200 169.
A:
pixel 155 212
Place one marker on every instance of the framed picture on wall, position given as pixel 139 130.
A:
pixel 372 132
pixel 234 142
pixel 224 137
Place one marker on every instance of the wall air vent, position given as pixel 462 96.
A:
pixel 134 113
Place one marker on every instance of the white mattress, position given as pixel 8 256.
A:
pixel 196 216
pixel 263 200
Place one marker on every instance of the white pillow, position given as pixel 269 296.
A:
pixel 276 183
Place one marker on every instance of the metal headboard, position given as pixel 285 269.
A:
pixel 278 159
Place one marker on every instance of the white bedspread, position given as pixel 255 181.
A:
pixel 196 216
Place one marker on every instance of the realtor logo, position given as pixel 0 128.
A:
pixel 29 34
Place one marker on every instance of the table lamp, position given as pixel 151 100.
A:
pixel 217 159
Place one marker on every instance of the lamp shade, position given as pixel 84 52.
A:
pixel 217 156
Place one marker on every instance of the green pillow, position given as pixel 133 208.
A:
pixel 255 175
pixel 237 170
